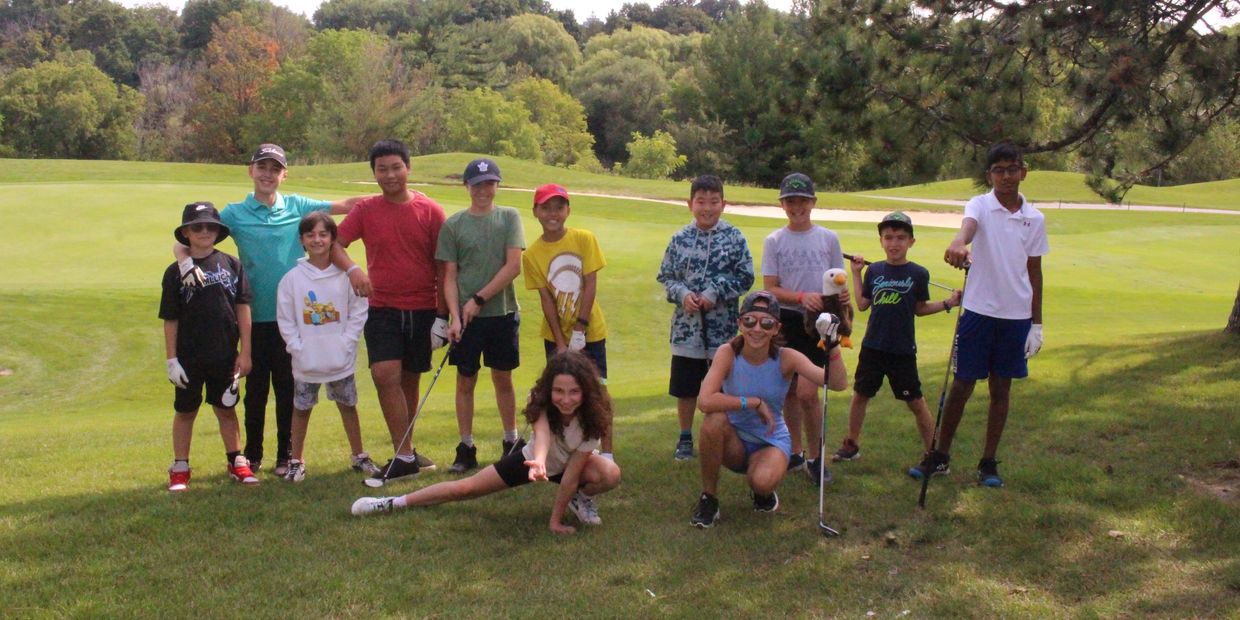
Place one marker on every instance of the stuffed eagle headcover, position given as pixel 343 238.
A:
pixel 833 283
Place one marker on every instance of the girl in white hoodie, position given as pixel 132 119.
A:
pixel 321 320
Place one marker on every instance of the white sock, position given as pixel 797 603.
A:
pixel 398 502
pixel 180 465
pixel 406 458
pixel 609 456
pixel 468 440
pixel 511 435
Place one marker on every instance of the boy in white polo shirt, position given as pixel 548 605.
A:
pixel 1001 324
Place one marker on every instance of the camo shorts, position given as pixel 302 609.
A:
pixel 341 391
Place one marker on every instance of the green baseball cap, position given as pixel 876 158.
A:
pixel 898 220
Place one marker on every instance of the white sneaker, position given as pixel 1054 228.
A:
pixel 371 505
pixel 583 506
pixel 296 471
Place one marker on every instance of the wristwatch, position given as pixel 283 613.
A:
pixel 478 300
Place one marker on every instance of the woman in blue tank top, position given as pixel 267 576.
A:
pixel 743 399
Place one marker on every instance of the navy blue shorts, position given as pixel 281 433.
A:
pixel 986 345
pixel 596 351
pixel 491 340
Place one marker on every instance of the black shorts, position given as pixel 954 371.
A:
pixel 493 340
pixel 512 470
pixel 217 376
pixel 404 335
pixel 792 327
pixel 901 370
pixel 687 375
pixel 596 351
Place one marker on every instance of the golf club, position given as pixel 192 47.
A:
pixel 938 418
pixel 932 283
pixel 826 530
pixel 375 483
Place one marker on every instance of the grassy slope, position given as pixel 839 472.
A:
pixel 1133 390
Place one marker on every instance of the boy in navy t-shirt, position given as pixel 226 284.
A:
pixel 897 290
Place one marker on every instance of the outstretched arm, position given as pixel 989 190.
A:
pixel 957 254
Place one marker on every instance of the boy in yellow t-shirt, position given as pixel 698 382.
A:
pixel 562 265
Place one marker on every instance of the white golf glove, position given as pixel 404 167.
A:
pixel 827 325
pixel 176 374
pixel 1033 342
pixel 577 341
pixel 191 275
pixel 439 333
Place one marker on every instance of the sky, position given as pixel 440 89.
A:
pixel 582 9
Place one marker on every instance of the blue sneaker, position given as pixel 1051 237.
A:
pixel 684 450
pixel 933 463
pixel 988 473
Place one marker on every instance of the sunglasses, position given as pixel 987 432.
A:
pixel 766 322
pixel 201 226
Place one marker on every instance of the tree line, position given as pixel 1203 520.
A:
pixel 857 93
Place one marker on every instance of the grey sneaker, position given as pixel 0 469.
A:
pixel 706 512
pixel 684 450
pixel 583 506
pixel 811 468
pixel 281 469
pixel 424 464
pixel 362 463
pixel 372 505
pixel 849 451
pixel 296 471
pixel 769 503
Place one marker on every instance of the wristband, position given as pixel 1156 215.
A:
pixel 352 269
pixel 801 299
pixel 744 404
pixel 478 300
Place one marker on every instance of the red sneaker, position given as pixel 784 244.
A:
pixel 178 480
pixel 240 471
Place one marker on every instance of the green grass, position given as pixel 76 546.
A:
pixel 1133 395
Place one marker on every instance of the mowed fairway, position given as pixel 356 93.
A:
pixel 1129 406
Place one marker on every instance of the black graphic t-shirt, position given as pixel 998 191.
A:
pixel 893 291
pixel 207 329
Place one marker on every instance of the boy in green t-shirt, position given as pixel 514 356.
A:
pixel 481 251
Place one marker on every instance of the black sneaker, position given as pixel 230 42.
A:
pixel 512 446
pixel 466 459
pixel 796 462
pixel 769 503
pixel 988 473
pixel 811 468
pixel 849 451
pixel 935 463
pixel 397 469
pixel 706 512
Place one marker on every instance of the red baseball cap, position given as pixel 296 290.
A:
pixel 548 191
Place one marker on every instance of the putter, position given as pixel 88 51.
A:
pixel 938 418
pixel 825 529
pixel 932 283
pixel 375 483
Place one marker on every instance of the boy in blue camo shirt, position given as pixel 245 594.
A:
pixel 706 268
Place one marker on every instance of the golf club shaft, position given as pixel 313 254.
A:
pixel 932 282
pixel 418 411
pixel 822 446
pixel 938 418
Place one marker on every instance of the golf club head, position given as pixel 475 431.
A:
pixel 827 530
pixel 374 483
pixel 231 395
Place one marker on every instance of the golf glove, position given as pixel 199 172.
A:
pixel 191 275
pixel 577 341
pixel 1033 342
pixel 827 325
pixel 176 374
pixel 439 333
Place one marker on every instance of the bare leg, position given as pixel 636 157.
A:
pixel 1000 395
pixel 301 420
pixel 957 396
pixel 465 404
pixel 766 469
pixel 352 428
pixel 925 423
pixel 230 430
pixel 599 475
pixel 482 483
pixel 811 414
pixel 856 416
pixel 389 383
pixel 182 433
pixel 684 411
pixel 718 446
pixel 505 399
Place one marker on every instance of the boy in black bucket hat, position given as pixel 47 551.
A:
pixel 204 322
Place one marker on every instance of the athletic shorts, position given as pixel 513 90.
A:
pixel 512 470
pixel 792 327
pixel 686 376
pixel 341 391
pixel 404 335
pixel 901 370
pixel 781 441
pixel 217 376
pixel 986 345
pixel 596 351
pixel 493 340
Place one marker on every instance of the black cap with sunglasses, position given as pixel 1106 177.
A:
pixel 200 213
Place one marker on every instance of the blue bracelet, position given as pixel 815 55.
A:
pixel 744 404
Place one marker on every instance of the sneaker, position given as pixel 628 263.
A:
pixel 178 480
pixel 988 473
pixel 424 464
pixel 296 471
pixel 466 459
pixel 796 462
pixel 510 447
pixel 281 469
pixel 935 462
pixel 362 463
pixel 372 505
pixel 706 512
pixel 397 469
pixel 769 503
pixel 255 465
pixel 684 450
pixel 849 451
pixel 240 471
pixel 811 469
pixel 583 506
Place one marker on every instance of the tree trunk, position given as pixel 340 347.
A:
pixel 1233 323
